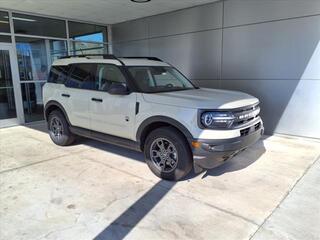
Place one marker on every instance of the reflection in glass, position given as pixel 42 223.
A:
pixel 4 22
pixel 87 32
pixel 33 59
pixel 80 48
pixel 40 26
pixel 5 69
pixel 7 102
pixel 32 101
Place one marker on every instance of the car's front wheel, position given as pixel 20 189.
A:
pixel 168 154
pixel 59 129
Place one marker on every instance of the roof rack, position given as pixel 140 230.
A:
pixel 105 56
pixel 149 58
pixel 109 56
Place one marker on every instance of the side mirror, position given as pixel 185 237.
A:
pixel 118 89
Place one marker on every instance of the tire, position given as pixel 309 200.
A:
pixel 59 129
pixel 170 160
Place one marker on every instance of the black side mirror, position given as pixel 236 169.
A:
pixel 118 89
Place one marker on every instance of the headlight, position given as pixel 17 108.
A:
pixel 217 119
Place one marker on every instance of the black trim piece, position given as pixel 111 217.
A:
pixel 65 95
pixel 58 105
pixel 96 99
pixel 137 107
pixel 162 119
pixel 148 58
pixel 105 56
pixel 122 142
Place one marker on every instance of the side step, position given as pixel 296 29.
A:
pixel 102 137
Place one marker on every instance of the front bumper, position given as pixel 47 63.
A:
pixel 212 153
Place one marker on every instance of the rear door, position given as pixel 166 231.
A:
pixel 112 114
pixel 77 93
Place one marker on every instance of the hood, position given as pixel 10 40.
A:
pixel 203 98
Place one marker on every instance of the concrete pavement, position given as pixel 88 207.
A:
pixel 93 190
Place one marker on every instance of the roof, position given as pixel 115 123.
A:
pixel 117 61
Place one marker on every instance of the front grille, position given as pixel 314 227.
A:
pixel 245 115
pixel 244 132
pixel 257 126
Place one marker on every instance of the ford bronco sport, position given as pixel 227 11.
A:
pixel 147 105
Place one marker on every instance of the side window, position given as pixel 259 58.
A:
pixel 58 74
pixel 82 76
pixel 108 74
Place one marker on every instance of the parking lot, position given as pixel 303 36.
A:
pixel 93 190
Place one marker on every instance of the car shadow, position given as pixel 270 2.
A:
pixel 120 227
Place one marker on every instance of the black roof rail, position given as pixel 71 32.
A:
pixel 149 58
pixel 105 56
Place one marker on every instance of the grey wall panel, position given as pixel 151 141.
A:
pixel 277 50
pixel 129 49
pixel 197 55
pixel 239 12
pixel 189 20
pixel 288 106
pixel 133 30
pixel 212 83
pixel 276 61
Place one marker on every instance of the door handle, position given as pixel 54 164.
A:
pixel 65 95
pixel 97 99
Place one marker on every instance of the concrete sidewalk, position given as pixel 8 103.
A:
pixel 93 190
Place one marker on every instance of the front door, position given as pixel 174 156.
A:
pixel 112 114
pixel 10 95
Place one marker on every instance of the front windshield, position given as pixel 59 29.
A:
pixel 152 79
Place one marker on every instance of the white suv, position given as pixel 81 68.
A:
pixel 148 105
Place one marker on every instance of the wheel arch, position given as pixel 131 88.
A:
pixel 155 122
pixel 54 105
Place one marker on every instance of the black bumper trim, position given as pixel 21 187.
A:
pixel 213 153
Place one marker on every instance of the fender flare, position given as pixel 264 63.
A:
pixel 162 119
pixel 58 105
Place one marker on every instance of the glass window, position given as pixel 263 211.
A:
pixel 87 32
pixel 7 103
pixel 108 74
pixel 4 22
pixel 36 55
pixel 82 76
pixel 80 48
pixel 40 26
pixel 32 101
pixel 159 79
pixel 6 39
pixel 58 74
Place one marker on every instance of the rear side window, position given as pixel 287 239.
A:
pixel 82 76
pixel 58 74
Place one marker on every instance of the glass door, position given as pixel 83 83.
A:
pixel 8 88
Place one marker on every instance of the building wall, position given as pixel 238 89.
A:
pixel 269 49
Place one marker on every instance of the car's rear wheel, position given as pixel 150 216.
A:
pixel 168 154
pixel 59 129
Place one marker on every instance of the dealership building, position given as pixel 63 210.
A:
pixel 270 49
